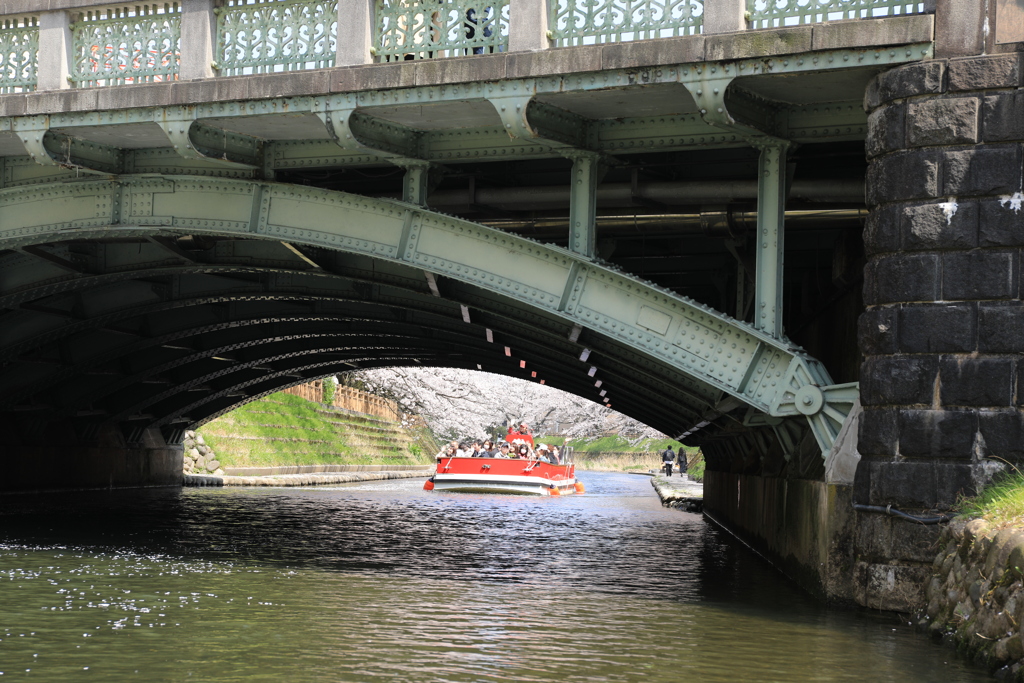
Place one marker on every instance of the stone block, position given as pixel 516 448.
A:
pixel 943 434
pixel 986 170
pixel 903 484
pixel 467 69
pixel 134 96
pixel 877 432
pixel 969 381
pixel 1002 117
pixel 13 105
pixel 1003 432
pixel 882 230
pixel 290 84
pixel 983 73
pixel 879 32
pixel 959 28
pixel 554 62
pixel 885 130
pixel 940 225
pixel 683 50
pixel 1002 222
pixel 899 278
pixel 921 78
pixel 758 44
pixel 1020 385
pixel 899 380
pixel 938 328
pixel 952 482
pixel 876 331
pixel 370 77
pixel 47 102
pixel 725 16
pixel 902 176
pixel 1001 327
pixel 943 121
pixel 979 274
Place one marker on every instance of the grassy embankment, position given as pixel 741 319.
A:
pixel 1001 504
pixel 283 429
pixel 615 453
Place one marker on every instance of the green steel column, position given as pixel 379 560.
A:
pixel 771 204
pixel 414 185
pixel 586 169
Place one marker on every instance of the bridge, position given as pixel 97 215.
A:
pixel 787 231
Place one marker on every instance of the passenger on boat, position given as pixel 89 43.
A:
pixel 524 451
pixel 465 451
pixel 488 450
pixel 448 451
pixel 503 451
pixel 556 455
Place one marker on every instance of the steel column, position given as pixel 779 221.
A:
pixel 586 167
pixel 414 184
pixel 771 205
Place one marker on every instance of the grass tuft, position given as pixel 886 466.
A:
pixel 1001 503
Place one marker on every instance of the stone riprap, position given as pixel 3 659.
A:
pixel 679 492
pixel 199 458
pixel 312 479
pixel 976 595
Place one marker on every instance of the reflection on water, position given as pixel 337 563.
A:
pixel 386 581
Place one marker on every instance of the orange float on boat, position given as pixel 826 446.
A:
pixel 579 487
pixel 428 485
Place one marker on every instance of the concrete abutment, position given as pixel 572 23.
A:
pixel 57 458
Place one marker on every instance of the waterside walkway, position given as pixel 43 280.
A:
pixel 303 479
pixel 679 492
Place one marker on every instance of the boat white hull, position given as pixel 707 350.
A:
pixel 531 488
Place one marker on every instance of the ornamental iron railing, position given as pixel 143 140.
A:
pixel 19 49
pixel 135 44
pixel 586 22
pixel 266 36
pixel 426 29
pixel 775 13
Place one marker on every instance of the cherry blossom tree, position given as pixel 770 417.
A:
pixel 459 404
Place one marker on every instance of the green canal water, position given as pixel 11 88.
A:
pixel 384 581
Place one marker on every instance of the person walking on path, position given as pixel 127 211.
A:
pixel 681 462
pixel 667 456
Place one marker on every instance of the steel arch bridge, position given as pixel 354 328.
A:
pixel 163 301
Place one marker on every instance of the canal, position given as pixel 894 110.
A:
pixel 384 581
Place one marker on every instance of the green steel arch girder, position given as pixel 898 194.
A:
pixel 258 294
pixel 121 379
pixel 722 355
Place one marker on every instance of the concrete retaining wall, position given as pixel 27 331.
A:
pixel 803 527
pixel 60 459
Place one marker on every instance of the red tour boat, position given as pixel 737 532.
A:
pixel 504 475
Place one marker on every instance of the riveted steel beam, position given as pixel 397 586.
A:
pixel 192 140
pixel 51 148
pixel 669 331
pixel 771 209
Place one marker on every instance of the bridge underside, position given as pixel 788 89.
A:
pixel 163 264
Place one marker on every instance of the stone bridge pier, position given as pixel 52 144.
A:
pixel 943 331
